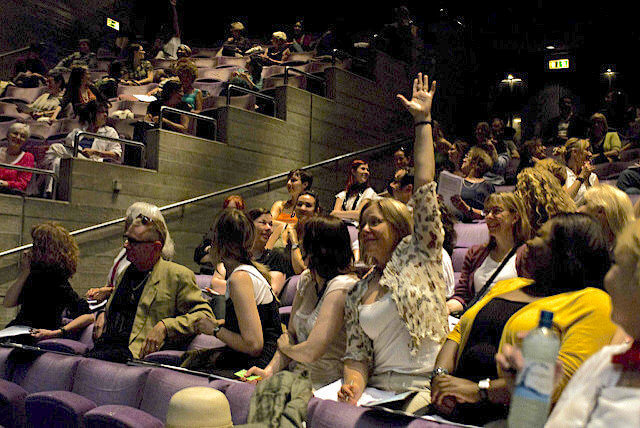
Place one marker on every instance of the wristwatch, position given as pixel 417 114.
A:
pixel 216 329
pixel 295 246
pixel 483 389
pixel 437 372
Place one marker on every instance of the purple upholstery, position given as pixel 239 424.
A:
pixel 289 291
pixel 12 398
pixel 239 396
pixel 119 416
pixel 64 345
pixel 204 341
pixel 203 281
pixel 86 336
pixel 456 277
pixel 170 357
pixel 110 383
pixel 162 384
pixel 56 409
pixel 40 376
pixel 470 234
pixel 4 355
pixel 457 260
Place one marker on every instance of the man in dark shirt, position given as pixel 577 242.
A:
pixel 155 301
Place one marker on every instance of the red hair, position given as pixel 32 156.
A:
pixel 351 180
pixel 234 198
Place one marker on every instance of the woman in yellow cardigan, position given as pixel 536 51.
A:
pixel 568 260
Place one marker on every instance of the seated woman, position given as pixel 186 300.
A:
pixel 611 207
pixel 278 53
pixel 79 91
pixel 301 41
pixel 187 73
pixel 139 70
pixel 605 390
pixel 251 78
pixel 251 325
pixel 12 180
pixel 576 157
pixel 392 340
pixel 603 144
pixel 542 196
pixel 316 335
pixel 532 151
pixel 284 211
pixel 475 188
pixel 46 106
pixel 356 194
pixel 485 265
pixel 42 288
pixel 456 155
pixel 568 259
pixel 171 96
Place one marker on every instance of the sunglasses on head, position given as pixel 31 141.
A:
pixel 146 221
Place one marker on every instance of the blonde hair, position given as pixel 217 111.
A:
pixel 542 196
pixel 186 65
pixel 602 119
pixel 280 35
pixel 395 213
pixel 627 252
pixel 521 229
pixel 481 159
pixel 572 144
pixel 615 204
pixel 559 171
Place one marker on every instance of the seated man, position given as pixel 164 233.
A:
pixel 82 57
pixel 154 302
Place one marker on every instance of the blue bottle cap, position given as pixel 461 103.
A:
pixel 546 319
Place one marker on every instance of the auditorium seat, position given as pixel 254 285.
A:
pixel 22 95
pixel 232 61
pixel 294 80
pixel 136 90
pixel 215 74
pixel 470 234
pixel 4 128
pixel 611 170
pixel 211 88
pixel 11 110
pixel 630 155
pixel 109 416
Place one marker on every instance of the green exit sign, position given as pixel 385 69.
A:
pixel 113 24
pixel 559 64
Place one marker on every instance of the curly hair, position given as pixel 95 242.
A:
pixel 188 66
pixel 542 196
pixel 572 145
pixel 558 171
pixel 54 249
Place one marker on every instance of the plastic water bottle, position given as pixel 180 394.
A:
pixel 531 397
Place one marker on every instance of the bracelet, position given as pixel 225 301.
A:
pixel 424 122
pixel 216 330
pixel 295 246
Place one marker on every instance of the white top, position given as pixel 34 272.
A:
pixel 381 322
pixel 488 267
pixel 571 178
pixel 592 399
pixel 170 49
pixel 447 271
pixel 368 193
pixel 120 264
pixel 261 288
pixel 98 144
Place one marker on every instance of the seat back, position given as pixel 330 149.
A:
pixel 25 95
pixel 212 88
pixel 216 74
pixel 630 155
pixel 232 60
pixel 109 383
pixel 239 396
pixel 162 384
pixel 470 234
pixel 4 128
pixel 49 372
pixel 136 90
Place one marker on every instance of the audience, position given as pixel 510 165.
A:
pixel 499 259
pixel 42 288
pixel 604 144
pixel 532 152
pixel 399 305
pixel 237 44
pixel 357 193
pixel 297 182
pixel 567 125
pixel 301 41
pixel 278 53
pixel 251 78
pixel 79 90
pixel 251 325
pixel 12 180
pixel 155 302
pixel 568 259
pixel 316 336
pixel 187 73
pixel 139 71
pixel 47 106
pixel 171 96
pixel 82 57
pixel 576 156
pixel 108 85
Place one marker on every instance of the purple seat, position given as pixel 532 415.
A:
pixel 4 356
pixel 57 409
pixel 11 110
pixel 86 336
pixel 23 95
pixel 239 396
pixel 213 89
pixel 232 61
pixel 119 416
pixel 470 234
pixel 204 341
pixel 504 189
pixel 172 357
pixel 64 345
pixel 162 384
pixel 458 258
pixel 630 155
pixel 203 281
pixel 456 277
pixel 289 290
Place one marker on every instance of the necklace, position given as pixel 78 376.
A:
pixel 137 287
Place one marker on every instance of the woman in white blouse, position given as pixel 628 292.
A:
pixel 576 156
pixel 356 194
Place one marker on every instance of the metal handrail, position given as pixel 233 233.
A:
pixel 53 174
pixel 254 93
pixel 15 51
pixel 304 73
pixel 229 189
pixel 188 113
pixel 76 142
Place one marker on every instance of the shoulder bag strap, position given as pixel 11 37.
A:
pixel 480 294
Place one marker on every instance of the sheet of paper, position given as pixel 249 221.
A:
pixel 449 185
pixel 145 98
pixel 16 330
pixel 94 305
pixel 330 392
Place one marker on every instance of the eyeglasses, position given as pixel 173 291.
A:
pixel 146 220
pixel 132 241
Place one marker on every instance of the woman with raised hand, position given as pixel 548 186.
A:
pixel 568 260
pixel 356 194
pixel 316 335
pixel 396 316
pixel 251 325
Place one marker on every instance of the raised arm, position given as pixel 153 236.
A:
pixel 176 26
pixel 420 108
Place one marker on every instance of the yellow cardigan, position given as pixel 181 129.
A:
pixel 581 318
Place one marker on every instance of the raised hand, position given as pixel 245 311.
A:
pixel 420 105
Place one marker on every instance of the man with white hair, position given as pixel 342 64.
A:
pixel 154 302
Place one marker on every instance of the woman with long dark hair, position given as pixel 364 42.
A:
pixel 356 194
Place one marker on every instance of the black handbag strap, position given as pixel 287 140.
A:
pixel 480 294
